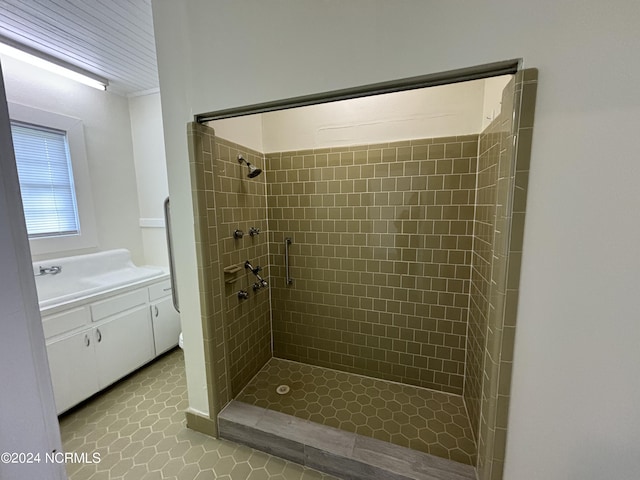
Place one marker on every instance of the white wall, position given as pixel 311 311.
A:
pixel 492 102
pixel 108 143
pixel 175 66
pixel 151 174
pixel 245 130
pixel 576 386
pixel 442 111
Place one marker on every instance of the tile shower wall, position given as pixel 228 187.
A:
pixel 381 258
pixel 236 333
pixel 511 193
pixel 201 142
pixel 492 145
pixel 241 204
pixel 503 166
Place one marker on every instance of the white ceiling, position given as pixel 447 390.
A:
pixel 112 38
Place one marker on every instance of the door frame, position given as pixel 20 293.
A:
pixel 27 407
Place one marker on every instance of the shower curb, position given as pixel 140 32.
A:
pixel 346 455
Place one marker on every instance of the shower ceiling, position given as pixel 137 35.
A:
pixel 113 39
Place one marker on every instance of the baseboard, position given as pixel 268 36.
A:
pixel 202 424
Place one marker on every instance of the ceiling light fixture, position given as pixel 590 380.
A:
pixel 47 62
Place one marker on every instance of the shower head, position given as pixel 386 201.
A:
pixel 253 171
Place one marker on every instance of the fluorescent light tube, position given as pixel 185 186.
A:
pixel 47 62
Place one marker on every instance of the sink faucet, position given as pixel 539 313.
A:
pixel 52 270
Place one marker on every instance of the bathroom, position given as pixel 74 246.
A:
pixel 577 325
pixel 468 109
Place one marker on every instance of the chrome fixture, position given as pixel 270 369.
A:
pixel 253 269
pixel 287 242
pixel 52 270
pixel 254 231
pixel 243 295
pixel 238 234
pixel 253 171
pixel 261 282
pixel 172 267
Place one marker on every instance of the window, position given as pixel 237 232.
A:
pixel 54 180
pixel 46 180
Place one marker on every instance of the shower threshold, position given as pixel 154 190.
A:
pixel 336 420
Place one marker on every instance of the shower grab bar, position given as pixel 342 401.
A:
pixel 172 268
pixel 287 242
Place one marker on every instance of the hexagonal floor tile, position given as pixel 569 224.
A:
pixel 138 427
pixel 426 420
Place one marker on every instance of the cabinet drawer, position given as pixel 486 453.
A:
pixel 65 322
pixel 159 290
pixel 114 305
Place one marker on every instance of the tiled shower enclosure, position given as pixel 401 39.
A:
pixel 405 260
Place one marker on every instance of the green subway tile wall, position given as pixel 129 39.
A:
pixel 241 204
pixel 504 156
pixel 201 142
pixel 381 257
pixel 497 138
pixel 237 334
pixel 492 145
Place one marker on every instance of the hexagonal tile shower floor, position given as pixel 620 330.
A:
pixel 138 427
pixel 424 420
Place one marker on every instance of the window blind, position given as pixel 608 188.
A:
pixel 46 180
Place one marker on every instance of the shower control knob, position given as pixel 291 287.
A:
pixel 254 231
pixel 238 234
pixel 243 295
pixel 253 269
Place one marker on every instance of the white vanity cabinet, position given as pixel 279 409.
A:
pixel 124 342
pixel 93 345
pixel 166 321
pixel 72 362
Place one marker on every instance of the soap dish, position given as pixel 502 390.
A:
pixel 230 273
pixel 231 269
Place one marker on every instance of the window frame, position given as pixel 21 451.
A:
pixel 74 128
pixel 56 142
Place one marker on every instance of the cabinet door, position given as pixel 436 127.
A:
pixel 123 343
pixel 73 369
pixel 166 325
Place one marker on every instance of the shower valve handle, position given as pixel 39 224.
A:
pixel 261 283
pixel 253 269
